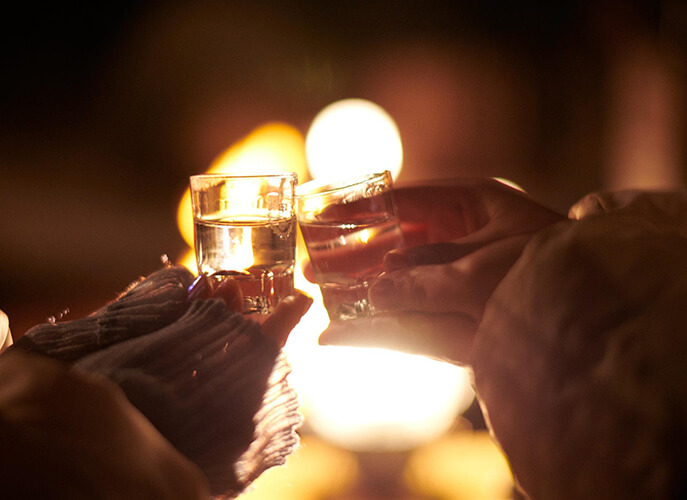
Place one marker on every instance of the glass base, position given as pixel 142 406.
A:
pixel 359 309
pixel 345 302
pixel 262 288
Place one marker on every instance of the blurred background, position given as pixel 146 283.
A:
pixel 106 109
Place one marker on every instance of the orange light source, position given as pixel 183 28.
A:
pixel 465 464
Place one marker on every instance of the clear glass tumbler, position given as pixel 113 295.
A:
pixel 245 228
pixel 348 227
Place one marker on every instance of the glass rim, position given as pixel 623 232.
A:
pixel 244 176
pixel 330 185
pixel 218 177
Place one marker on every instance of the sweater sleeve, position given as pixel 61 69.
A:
pixel 175 387
pixel 579 359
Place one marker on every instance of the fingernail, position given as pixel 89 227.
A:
pixel 199 289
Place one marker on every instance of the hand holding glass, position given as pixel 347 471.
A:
pixel 245 228
pixel 348 227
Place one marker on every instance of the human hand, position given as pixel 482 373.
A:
pixel 147 305
pixel 211 380
pixel 277 325
pixel 462 237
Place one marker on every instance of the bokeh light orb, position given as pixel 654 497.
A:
pixel 353 137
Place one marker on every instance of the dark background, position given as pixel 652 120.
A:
pixel 105 110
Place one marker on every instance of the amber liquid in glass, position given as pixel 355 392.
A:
pixel 347 256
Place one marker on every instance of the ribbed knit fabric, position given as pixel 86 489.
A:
pixel 147 305
pixel 204 376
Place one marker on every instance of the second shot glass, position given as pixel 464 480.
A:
pixel 348 226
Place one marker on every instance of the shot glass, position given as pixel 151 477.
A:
pixel 245 228
pixel 348 227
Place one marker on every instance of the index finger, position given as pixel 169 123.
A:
pixel 446 211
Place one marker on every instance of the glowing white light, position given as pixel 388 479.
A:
pixel 373 399
pixel 366 399
pixel 353 137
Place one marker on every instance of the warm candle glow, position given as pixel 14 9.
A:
pixel 466 464
pixel 378 400
pixel 353 137
pixel 315 471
